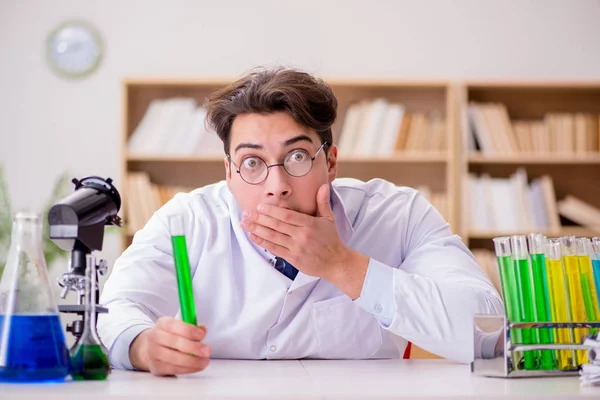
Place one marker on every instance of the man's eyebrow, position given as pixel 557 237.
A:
pixel 288 142
pixel 296 139
pixel 248 146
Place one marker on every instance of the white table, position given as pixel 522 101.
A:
pixel 311 379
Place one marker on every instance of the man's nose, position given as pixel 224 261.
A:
pixel 278 182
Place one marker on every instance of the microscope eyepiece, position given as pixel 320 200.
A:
pixel 78 220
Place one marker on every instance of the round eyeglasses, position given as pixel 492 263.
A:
pixel 254 170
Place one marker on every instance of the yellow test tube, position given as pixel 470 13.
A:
pixel 559 302
pixel 575 292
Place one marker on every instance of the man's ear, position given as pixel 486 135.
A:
pixel 332 164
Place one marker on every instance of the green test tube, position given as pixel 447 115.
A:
pixel 537 243
pixel 575 292
pixel 510 293
pixel 507 277
pixel 182 269
pixel 559 302
pixel 520 256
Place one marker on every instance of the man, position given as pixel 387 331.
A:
pixel 288 261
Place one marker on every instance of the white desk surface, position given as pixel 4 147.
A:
pixel 311 379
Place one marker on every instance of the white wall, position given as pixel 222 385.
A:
pixel 48 124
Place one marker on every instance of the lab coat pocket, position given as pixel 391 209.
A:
pixel 345 330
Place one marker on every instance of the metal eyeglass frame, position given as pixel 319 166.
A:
pixel 312 159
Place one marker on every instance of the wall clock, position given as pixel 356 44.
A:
pixel 74 49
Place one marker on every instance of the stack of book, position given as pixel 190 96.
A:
pixel 174 127
pixel 143 198
pixel 512 205
pixel 380 128
pixel 490 131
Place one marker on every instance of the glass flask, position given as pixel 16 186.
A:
pixel 89 357
pixel 32 343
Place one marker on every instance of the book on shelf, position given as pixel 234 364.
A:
pixel 580 212
pixel 510 204
pixel 174 126
pixel 143 198
pixel 381 128
pixel 490 131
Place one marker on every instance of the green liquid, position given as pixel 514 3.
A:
pixel 90 363
pixel 184 280
pixel 542 304
pixel 527 308
pixel 510 293
pixel 508 282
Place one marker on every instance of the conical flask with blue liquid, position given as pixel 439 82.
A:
pixel 32 343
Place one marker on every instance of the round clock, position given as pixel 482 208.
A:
pixel 74 49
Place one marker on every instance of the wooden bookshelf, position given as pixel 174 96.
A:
pixel 442 171
pixel 573 174
pixel 532 158
pixel 434 169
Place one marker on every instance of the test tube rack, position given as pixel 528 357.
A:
pixel 500 362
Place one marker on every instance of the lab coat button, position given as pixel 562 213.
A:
pixel 273 348
pixel 378 308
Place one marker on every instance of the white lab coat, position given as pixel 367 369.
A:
pixel 422 283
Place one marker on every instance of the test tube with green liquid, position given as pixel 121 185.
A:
pixel 575 291
pixel 590 298
pixel 596 264
pixel 510 294
pixel 523 274
pixel 182 269
pixel 559 302
pixel 537 243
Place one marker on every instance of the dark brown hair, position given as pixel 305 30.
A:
pixel 309 100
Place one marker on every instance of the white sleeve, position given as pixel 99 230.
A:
pixel 142 286
pixel 436 290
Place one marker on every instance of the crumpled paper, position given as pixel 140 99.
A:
pixel 590 372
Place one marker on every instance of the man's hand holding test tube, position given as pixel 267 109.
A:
pixel 174 347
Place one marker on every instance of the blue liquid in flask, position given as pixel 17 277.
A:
pixel 34 349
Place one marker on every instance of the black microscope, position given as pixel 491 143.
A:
pixel 77 225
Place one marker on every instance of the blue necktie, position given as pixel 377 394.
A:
pixel 285 268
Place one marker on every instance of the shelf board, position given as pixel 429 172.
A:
pixel 534 158
pixel 579 231
pixel 175 158
pixel 409 157
pixel 412 157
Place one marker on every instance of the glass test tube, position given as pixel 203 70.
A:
pixel 520 257
pixel 537 243
pixel 575 292
pixel 590 298
pixel 182 269
pixel 510 293
pixel 596 264
pixel 559 303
